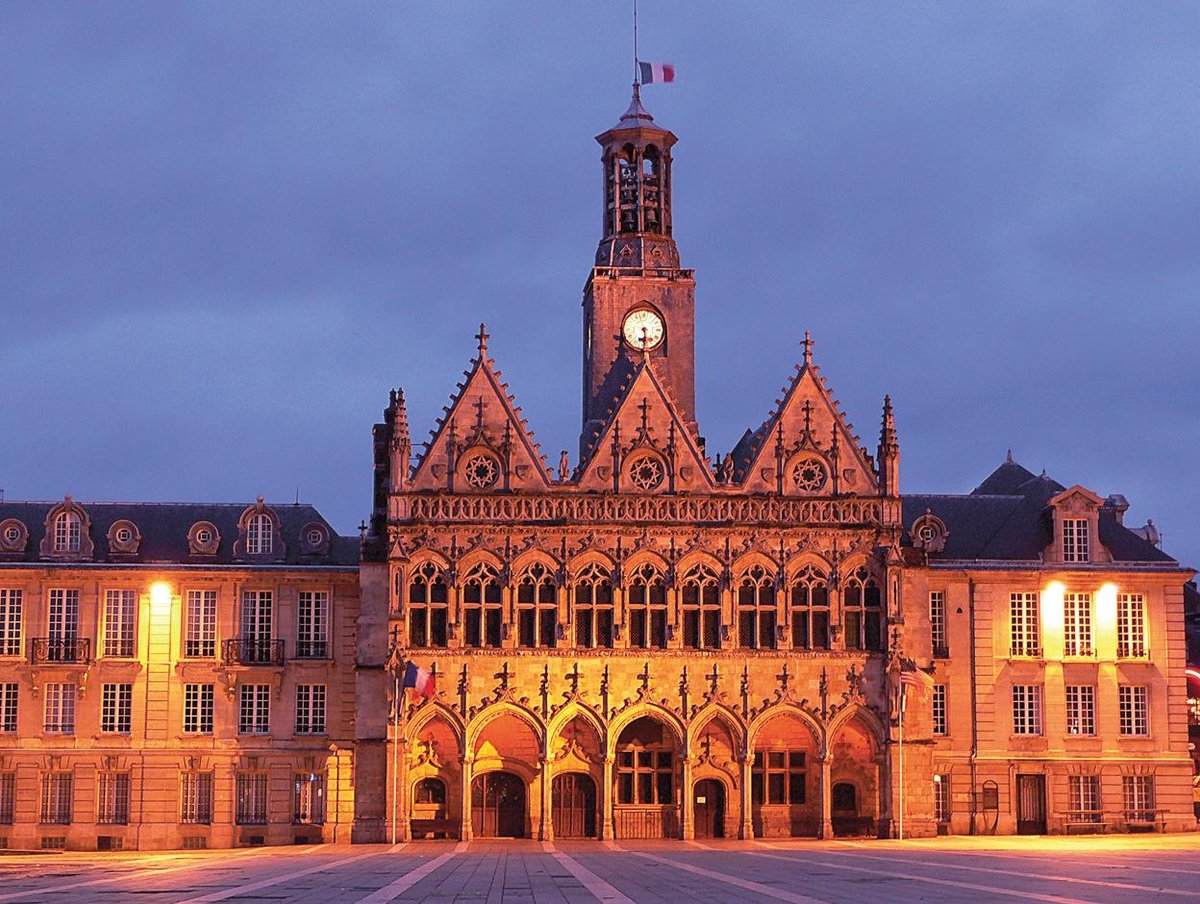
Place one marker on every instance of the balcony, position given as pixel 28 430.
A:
pixel 1025 651
pixel 68 651
pixel 941 651
pixel 312 649
pixel 252 651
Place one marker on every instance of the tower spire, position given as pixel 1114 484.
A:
pixel 888 453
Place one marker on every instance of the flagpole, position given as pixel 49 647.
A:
pixel 635 44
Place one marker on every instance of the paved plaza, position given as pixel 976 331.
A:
pixel 1061 870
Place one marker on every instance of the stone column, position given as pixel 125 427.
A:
pixel 468 774
pixel 547 820
pixel 747 828
pixel 606 801
pixel 825 825
pixel 687 828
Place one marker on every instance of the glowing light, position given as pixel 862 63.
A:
pixel 1106 616
pixel 160 596
pixel 1051 604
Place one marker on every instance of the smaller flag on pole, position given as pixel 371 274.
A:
pixel 420 680
pixel 656 72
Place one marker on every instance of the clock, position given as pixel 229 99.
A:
pixel 643 325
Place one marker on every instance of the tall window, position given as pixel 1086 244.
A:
pixel 8 797
pixel 1134 710
pixel 941 798
pixel 1077 624
pixel 778 777
pixel 308 798
pixel 200 631
pixel 63 625
pixel 756 609
pixel 312 624
pixel 645 776
pixel 254 709
pixel 937 623
pixel 810 610
pixel 260 535
pixel 481 606
pixel 250 799
pixel 592 594
pixel 940 726
pixel 257 626
pixel 310 709
pixel 58 791
pixel 116 706
pixel 1075 540
pixel 1027 709
pixel 537 607
pixel 112 800
pixel 10 622
pixel 8 706
pixel 1138 794
pixel 198 708
pixel 701 609
pixel 1131 625
pixel 68 532
pixel 1083 798
pixel 428 601
pixel 1024 624
pixel 120 619
pixel 59 709
pixel 195 798
pixel 646 602
pixel 863 615
pixel 1081 709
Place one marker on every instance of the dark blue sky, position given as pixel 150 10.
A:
pixel 228 229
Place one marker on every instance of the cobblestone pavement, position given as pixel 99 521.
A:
pixel 974 870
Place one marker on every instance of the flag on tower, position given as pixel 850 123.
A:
pixel 656 72
pixel 420 680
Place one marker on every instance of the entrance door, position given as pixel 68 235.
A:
pixel 498 805
pixel 1031 805
pixel 573 797
pixel 708 802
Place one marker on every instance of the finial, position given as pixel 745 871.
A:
pixel 1008 459
pixel 482 337
pixel 808 344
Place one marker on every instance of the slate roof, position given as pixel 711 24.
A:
pixel 164 528
pixel 1005 519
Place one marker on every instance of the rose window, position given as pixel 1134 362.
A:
pixel 808 475
pixel 646 473
pixel 481 471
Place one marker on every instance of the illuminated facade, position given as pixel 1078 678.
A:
pixel 174 675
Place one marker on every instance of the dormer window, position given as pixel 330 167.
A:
pixel 1075 541
pixel 68 530
pixel 259 535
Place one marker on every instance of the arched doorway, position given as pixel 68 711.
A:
pixel 854 770
pixel 573 798
pixel 844 811
pixel 784 791
pixel 645 800
pixel 498 805
pixel 708 800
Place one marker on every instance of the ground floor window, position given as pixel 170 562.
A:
pixel 941 797
pixel 58 790
pixel 778 777
pixel 645 777
pixel 112 804
pixel 8 797
pixel 308 798
pixel 1083 798
pixel 195 798
pixel 1139 798
pixel 251 799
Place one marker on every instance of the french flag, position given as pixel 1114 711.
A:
pixel 656 72
pixel 420 680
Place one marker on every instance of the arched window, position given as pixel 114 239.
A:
pixel 68 532
pixel 537 607
pixel 756 609
pixel 259 535
pixel 645 764
pixel 430 791
pixel 651 191
pixel 592 596
pixel 862 604
pixel 647 607
pixel 428 600
pixel 810 610
pixel 701 609
pixel 481 607
pixel 627 175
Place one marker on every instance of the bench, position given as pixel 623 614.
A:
pixel 1152 820
pixel 1081 822
pixel 434 828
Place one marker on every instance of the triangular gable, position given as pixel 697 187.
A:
pixel 1083 493
pixel 482 428
pixel 644 426
pixel 805 435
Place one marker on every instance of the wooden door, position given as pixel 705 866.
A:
pixel 573 798
pixel 1031 805
pixel 498 805
pixel 708 805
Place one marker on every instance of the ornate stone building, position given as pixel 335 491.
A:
pixel 661 642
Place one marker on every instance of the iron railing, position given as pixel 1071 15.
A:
pixel 60 649
pixel 252 651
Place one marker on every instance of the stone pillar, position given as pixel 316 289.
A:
pixel 468 774
pixel 747 827
pixel 825 825
pixel 547 826
pixel 606 801
pixel 687 827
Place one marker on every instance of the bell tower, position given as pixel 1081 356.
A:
pixel 637 299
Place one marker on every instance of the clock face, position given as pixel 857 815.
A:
pixel 643 325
